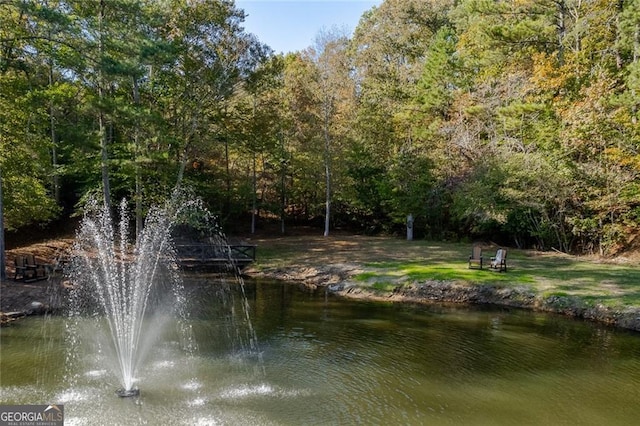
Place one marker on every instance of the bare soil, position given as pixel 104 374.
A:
pixel 20 298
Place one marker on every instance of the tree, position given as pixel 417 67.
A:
pixel 3 262
pixel 628 45
pixel 336 103
pixel 22 163
pixel 264 131
pixel 528 108
pixel 212 58
pixel 391 48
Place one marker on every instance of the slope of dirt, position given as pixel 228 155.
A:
pixel 19 298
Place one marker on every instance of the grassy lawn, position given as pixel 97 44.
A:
pixel 389 262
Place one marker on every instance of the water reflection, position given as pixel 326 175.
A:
pixel 331 361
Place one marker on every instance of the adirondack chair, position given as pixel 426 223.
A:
pixel 499 262
pixel 20 267
pixel 39 271
pixel 25 268
pixel 30 261
pixel 476 259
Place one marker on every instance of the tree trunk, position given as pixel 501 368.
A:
pixel 106 190
pixel 182 167
pixel 3 262
pixel 327 218
pixel 327 173
pixel 138 196
pixel 561 26
pixel 283 195
pixel 254 201
pixel 254 183
pixel 283 183
pixel 227 198
pixel 54 143
pixel 54 162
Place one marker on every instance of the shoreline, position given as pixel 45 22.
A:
pixel 333 263
pixel 21 299
pixel 338 280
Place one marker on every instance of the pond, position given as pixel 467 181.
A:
pixel 324 360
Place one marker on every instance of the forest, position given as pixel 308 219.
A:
pixel 506 120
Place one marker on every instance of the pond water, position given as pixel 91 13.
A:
pixel 325 360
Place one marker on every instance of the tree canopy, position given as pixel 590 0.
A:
pixel 515 121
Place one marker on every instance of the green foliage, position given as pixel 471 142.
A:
pixel 368 186
pixel 440 74
pixel 24 155
pixel 26 201
pixel 515 120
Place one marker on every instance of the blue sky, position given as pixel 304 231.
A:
pixel 292 25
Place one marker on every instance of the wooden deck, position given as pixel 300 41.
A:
pixel 201 256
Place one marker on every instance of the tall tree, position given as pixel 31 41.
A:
pixel 390 47
pixel 3 261
pixel 302 130
pixel 336 93
pixel 23 159
pixel 213 57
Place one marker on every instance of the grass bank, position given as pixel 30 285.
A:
pixel 386 265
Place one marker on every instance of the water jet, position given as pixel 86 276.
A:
pixel 124 292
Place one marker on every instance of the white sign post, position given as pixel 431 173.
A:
pixel 410 227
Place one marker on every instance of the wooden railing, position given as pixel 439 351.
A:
pixel 215 256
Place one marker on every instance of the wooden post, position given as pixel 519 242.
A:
pixel 410 227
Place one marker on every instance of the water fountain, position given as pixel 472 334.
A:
pixel 327 361
pixel 126 289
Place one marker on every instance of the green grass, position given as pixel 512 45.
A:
pixel 384 287
pixel 606 283
pixel 444 271
pixel 389 262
